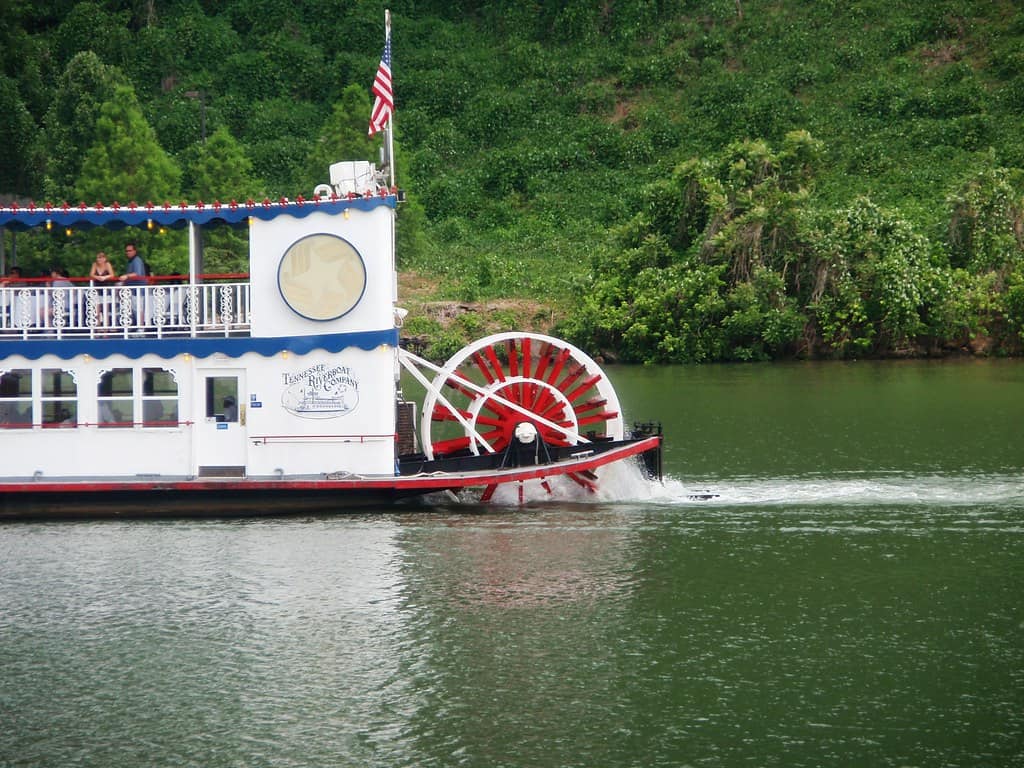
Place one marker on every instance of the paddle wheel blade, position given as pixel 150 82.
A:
pixel 583 481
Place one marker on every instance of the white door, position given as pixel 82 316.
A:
pixel 220 420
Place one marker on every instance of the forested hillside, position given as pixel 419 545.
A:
pixel 678 180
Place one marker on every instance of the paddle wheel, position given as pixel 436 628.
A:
pixel 519 388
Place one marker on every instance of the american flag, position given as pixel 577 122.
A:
pixel 384 103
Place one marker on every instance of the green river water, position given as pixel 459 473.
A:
pixel 853 596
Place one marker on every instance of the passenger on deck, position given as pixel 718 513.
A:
pixel 102 271
pixel 59 279
pixel 11 280
pixel 135 275
pixel 135 272
pixel 230 409
pixel 18 310
pixel 13 277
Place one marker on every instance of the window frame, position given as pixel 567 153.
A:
pixel 46 398
pixel 17 398
pixel 115 399
pixel 149 399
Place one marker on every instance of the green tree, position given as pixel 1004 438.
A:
pixel 221 170
pixel 986 235
pixel 70 125
pixel 987 221
pixel 24 57
pixel 712 269
pixel 88 26
pixel 755 195
pixel 342 136
pixel 125 163
pixel 648 305
pixel 17 136
pixel 876 281
pixel 278 135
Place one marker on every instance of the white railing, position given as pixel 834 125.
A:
pixel 209 309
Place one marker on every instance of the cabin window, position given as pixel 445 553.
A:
pixel 115 395
pixel 159 398
pixel 16 399
pixel 59 398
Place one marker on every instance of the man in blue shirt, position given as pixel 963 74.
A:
pixel 136 276
pixel 136 266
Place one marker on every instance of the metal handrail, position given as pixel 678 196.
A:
pixel 126 310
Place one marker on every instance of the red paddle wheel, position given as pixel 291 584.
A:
pixel 491 388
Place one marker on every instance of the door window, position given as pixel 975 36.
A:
pixel 222 398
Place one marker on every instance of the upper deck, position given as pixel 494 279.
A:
pixel 319 266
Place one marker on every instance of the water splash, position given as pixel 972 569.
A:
pixel 846 490
pixel 626 483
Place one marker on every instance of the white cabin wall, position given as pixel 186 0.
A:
pixel 93 453
pixel 369 232
pixel 90 451
pixel 273 440
pixel 357 436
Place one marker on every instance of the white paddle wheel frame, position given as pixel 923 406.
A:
pixel 543 381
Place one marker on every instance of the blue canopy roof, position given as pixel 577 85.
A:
pixel 82 216
pixel 70 347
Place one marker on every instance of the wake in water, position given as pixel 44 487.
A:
pixel 625 483
pixel 847 490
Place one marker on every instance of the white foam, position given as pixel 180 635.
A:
pixel 913 490
pixel 625 483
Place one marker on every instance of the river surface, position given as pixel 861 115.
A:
pixel 853 596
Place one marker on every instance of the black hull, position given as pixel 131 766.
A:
pixel 205 504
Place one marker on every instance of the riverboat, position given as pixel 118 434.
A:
pixel 283 389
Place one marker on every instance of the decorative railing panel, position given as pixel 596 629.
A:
pixel 151 310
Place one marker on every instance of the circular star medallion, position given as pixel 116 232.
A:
pixel 321 277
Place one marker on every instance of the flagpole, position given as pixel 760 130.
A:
pixel 391 173
pixel 391 155
pixel 391 117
